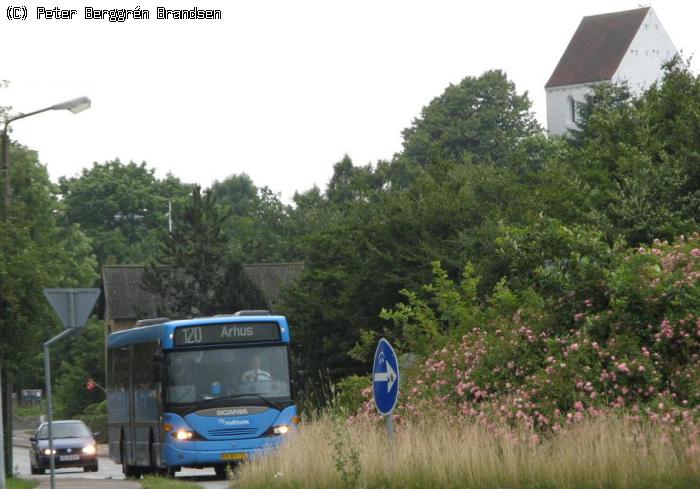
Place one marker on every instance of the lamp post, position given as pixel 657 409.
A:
pixel 76 105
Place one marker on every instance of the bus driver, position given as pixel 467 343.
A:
pixel 255 373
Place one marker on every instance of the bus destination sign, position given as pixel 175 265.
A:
pixel 210 334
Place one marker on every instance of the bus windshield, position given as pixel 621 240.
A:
pixel 251 374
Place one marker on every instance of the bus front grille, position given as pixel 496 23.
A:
pixel 232 432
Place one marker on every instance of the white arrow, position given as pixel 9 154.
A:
pixel 389 377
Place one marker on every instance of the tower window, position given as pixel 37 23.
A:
pixel 572 109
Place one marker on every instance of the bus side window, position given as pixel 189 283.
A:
pixel 121 367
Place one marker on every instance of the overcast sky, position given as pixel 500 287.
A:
pixel 279 90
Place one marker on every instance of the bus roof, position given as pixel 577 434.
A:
pixel 164 331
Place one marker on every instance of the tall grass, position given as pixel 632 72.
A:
pixel 438 453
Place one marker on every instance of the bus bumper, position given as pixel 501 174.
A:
pixel 210 453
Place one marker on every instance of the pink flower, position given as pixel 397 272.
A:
pixel 578 406
pixel 666 328
pixel 622 367
pixel 574 347
pixel 695 252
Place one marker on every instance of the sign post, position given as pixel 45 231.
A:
pixel 73 306
pixel 385 383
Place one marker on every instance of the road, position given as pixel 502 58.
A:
pixel 110 470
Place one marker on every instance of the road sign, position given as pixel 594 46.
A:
pixel 73 306
pixel 385 377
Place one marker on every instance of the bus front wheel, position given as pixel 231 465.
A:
pixel 221 470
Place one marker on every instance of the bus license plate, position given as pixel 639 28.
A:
pixel 234 456
pixel 65 458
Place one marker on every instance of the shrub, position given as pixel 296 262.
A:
pixel 633 343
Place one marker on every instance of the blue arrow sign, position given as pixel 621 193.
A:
pixel 385 377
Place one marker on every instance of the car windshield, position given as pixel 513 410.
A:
pixel 250 375
pixel 65 430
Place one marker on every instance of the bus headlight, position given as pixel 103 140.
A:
pixel 89 450
pixel 183 435
pixel 281 429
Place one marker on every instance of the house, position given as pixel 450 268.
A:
pixel 126 301
pixel 620 47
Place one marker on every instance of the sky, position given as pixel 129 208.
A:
pixel 277 89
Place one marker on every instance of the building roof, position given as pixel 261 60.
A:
pixel 125 297
pixel 273 278
pixel 597 48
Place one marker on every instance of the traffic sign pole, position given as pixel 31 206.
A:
pixel 73 306
pixel 47 380
pixel 389 421
pixel 2 441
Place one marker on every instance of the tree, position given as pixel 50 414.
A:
pixel 35 253
pixel 259 228
pixel 481 118
pixel 122 208
pixel 631 168
pixel 194 269
pixel 80 358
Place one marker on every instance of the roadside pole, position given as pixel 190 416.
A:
pixel 2 441
pixel 47 380
pixel 73 306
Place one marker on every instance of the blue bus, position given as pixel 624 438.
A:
pixel 206 392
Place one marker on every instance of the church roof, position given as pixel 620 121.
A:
pixel 597 48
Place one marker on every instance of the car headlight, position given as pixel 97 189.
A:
pixel 48 451
pixel 89 450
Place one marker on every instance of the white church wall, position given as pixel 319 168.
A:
pixel 559 115
pixel 650 48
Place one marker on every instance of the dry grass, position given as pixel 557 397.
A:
pixel 602 454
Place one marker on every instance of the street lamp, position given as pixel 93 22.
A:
pixel 76 105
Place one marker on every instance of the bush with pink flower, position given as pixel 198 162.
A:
pixel 633 344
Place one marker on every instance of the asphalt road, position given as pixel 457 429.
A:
pixel 110 470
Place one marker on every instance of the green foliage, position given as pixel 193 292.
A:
pixel 633 341
pixel 377 229
pixel 346 455
pixel 482 119
pixel 259 227
pixel 350 393
pixel 76 359
pixel 13 483
pixel 442 311
pixel 95 416
pixel 632 166
pixel 123 208
pixel 35 253
pixel 153 482
pixel 194 270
